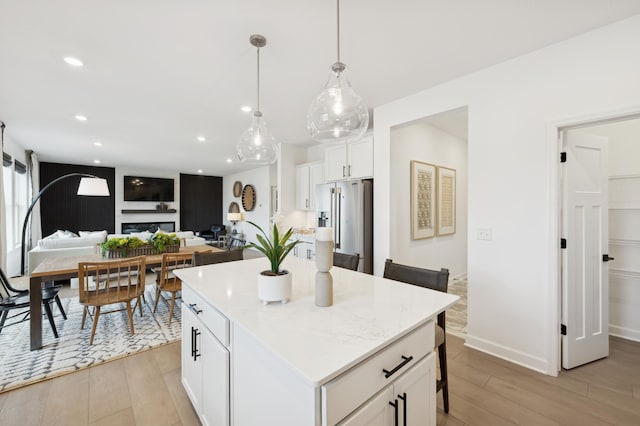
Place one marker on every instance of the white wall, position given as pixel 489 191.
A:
pixel 145 205
pixel 423 142
pixel 260 179
pixel 513 279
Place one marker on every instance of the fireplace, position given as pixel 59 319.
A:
pixel 128 228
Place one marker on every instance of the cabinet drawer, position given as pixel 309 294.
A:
pixel 217 323
pixel 346 393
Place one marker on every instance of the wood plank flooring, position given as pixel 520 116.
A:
pixel 485 390
pixel 141 389
pixel 145 389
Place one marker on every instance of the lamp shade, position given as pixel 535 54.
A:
pixel 234 217
pixel 338 113
pixel 96 187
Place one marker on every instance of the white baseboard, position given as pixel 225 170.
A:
pixel 625 333
pixel 459 277
pixel 520 358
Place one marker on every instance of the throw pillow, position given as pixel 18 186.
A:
pixel 66 234
pixel 93 234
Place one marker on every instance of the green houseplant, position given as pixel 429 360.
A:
pixel 274 284
pixel 134 246
pixel 276 247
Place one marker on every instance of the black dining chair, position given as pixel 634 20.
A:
pixel 208 258
pixel 347 261
pixel 435 280
pixel 12 299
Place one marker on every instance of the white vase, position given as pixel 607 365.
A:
pixel 274 288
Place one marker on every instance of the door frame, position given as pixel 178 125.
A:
pixel 554 147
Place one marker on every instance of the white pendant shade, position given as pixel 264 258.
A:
pixel 96 187
pixel 256 144
pixel 338 113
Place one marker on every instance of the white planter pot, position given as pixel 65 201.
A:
pixel 274 288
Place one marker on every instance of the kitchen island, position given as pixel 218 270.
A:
pixel 367 358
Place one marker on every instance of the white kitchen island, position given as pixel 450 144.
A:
pixel 367 359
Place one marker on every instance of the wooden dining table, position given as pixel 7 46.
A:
pixel 56 269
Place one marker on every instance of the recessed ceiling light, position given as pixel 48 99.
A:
pixel 97 143
pixel 246 108
pixel 201 138
pixel 81 118
pixel 228 160
pixel 199 170
pixel 96 161
pixel 74 62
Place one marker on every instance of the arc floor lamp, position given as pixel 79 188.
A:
pixel 90 185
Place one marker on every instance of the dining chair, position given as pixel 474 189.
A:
pixel 435 280
pixel 110 282
pixel 12 299
pixel 347 261
pixel 208 258
pixel 167 281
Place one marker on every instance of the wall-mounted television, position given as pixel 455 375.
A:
pixel 138 188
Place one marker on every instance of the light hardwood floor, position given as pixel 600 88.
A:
pixel 145 389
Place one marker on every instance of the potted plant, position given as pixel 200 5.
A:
pixel 274 284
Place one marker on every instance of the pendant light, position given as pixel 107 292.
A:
pixel 256 144
pixel 338 113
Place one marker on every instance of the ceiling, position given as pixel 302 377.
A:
pixel 159 73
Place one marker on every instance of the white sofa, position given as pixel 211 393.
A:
pixel 64 244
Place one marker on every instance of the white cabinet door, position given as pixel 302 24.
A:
pixel 336 162
pixel 415 393
pixel 316 176
pixel 360 158
pixel 376 412
pixel 302 188
pixel 191 366
pixel 215 376
pixel 410 400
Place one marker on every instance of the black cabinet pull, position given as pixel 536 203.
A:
pixel 193 342
pixel 403 397
pixel 196 333
pixel 343 169
pixel 395 411
pixel 195 309
pixel 388 373
pixel 606 258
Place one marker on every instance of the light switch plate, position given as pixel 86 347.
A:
pixel 483 234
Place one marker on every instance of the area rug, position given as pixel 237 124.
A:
pixel 71 352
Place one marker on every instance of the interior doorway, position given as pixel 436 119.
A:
pixel 598 297
pixel 436 141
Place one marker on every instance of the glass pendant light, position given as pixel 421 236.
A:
pixel 338 113
pixel 256 144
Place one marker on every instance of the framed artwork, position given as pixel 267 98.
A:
pixel 446 201
pixel 423 200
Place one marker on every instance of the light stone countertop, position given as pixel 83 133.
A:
pixel 319 343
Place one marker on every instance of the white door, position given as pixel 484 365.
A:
pixel 585 284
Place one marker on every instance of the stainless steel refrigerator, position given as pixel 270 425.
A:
pixel 347 207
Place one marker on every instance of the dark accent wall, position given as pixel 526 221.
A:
pixel 200 201
pixel 62 208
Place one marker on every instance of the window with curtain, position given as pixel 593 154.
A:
pixel 14 175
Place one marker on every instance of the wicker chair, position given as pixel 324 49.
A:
pixel 110 282
pixel 167 281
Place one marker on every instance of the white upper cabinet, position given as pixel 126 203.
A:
pixel 352 160
pixel 307 177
